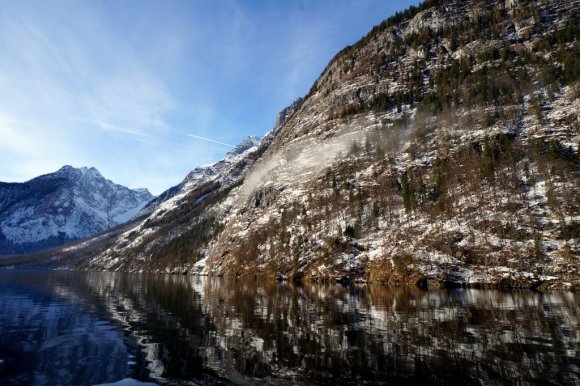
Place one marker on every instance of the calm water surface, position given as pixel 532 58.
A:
pixel 79 328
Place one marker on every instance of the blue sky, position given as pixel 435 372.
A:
pixel 118 85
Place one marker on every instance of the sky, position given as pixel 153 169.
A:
pixel 145 91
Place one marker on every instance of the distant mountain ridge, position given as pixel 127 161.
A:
pixel 66 205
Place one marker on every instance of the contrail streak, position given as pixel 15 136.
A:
pixel 106 126
pixel 209 140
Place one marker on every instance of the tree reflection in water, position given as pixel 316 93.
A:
pixel 211 330
pixel 252 330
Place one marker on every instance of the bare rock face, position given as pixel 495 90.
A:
pixel 440 149
pixel 286 113
pixel 433 19
pixel 69 204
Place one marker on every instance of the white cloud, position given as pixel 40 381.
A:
pixel 132 98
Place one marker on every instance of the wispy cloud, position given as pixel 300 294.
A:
pixel 209 140
pixel 66 72
pixel 106 126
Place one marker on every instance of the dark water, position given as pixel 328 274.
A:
pixel 73 328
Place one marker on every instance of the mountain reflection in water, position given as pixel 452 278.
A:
pixel 83 328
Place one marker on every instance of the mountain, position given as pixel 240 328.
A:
pixel 440 149
pixel 173 221
pixel 69 204
pixel 227 171
pixel 163 219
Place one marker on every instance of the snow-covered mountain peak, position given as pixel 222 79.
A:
pixel 92 175
pixel 143 191
pixel 246 144
pixel 226 171
pixel 66 168
pixel 68 204
pixel 69 171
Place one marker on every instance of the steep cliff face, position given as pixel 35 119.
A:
pixel 441 148
pixel 69 204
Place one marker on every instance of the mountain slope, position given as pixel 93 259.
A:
pixel 176 225
pixel 160 234
pixel 228 170
pixel 442 148
pixel 224 169
pixel 438 149
pixel 69 204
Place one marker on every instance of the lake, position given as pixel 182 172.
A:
pixel 86 328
